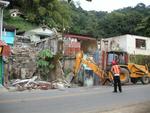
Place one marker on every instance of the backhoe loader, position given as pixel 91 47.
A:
pixel 129 72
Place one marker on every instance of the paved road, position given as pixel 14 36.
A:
pixel 74 100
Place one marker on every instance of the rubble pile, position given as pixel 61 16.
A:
pixel 34 83
pixel 22 67
pixel 23 64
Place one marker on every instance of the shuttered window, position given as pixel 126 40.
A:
pixel 140 44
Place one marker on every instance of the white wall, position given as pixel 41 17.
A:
pixel 121 41
pixel 126 43
pixel 115 43
pixel 131 45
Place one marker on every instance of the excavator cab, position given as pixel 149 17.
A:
pixel 120 57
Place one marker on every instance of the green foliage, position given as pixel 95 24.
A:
pixel 143 28
pixel 140 59
pixel 45 62
pixel 45 54
pixel 67 71
pixel 118 22
pixel 61 14
pixel 42 11
pixel 31 17
pixel 52 12
pixel 20 23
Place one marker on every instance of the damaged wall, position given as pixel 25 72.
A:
pixel 89 46
pixel 23 59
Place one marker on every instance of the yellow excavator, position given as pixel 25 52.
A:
pixel 129 72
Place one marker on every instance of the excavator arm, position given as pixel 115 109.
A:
pixel 77 64
pixel 80 60
pixel 94 67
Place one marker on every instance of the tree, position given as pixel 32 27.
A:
pixel 52 12
pixel 61 14
pixel 143 28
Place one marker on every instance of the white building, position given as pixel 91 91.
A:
pixel 130 43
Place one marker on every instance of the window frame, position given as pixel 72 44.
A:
pixel 140 43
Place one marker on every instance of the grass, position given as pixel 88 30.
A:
pixel 20 23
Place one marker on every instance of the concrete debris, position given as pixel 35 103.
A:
pixel 34 83
pixel 44 85
pixel 59 85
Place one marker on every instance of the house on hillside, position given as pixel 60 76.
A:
pixel 130 43
pixel 15 13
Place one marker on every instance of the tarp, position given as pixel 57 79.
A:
pixel 6 48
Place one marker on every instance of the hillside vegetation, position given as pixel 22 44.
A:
pixel 66 17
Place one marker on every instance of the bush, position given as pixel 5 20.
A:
pixel 45 63
pixel 140 59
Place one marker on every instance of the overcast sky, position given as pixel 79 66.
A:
pixel 109 5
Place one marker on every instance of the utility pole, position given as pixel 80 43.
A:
pixel 3 4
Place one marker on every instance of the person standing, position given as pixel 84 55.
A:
pixel 116 76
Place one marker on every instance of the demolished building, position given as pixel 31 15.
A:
pixel 26 48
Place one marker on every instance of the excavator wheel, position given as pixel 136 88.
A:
pixel 124 76
pixel 145 79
